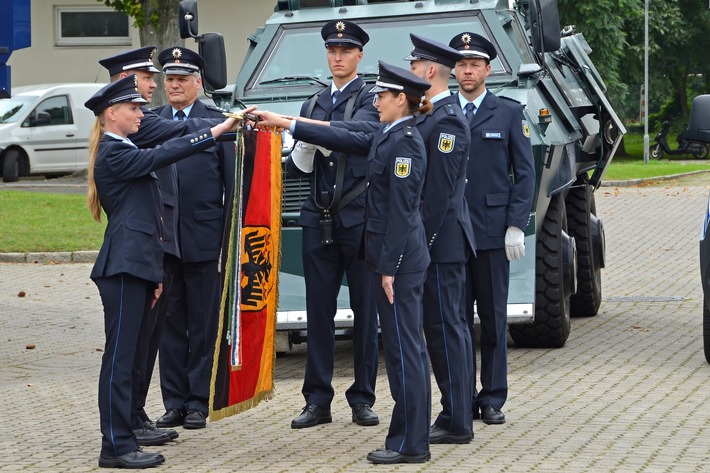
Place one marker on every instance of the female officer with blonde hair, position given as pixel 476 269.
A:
pixel 128 269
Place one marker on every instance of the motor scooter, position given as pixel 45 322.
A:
pixel 697 149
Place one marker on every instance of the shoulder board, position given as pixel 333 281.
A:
pixel 508 98
pixel 216 108
pixel 450 110
pixel 408 131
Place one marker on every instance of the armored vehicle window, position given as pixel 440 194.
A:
pixel 296 56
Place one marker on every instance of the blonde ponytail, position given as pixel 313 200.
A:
pixel 92 194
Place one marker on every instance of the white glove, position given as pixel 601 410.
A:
pixel 325 152
pixel 302 156
pixel 514 243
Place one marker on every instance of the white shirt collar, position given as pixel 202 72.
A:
pixel 120 138
pixel 477 101
pixel 186 110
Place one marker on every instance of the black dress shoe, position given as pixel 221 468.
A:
pixel 147 437
pixel 171 418
pixel 439 435
pixel 492 415
pixel 150 425
pixel 195 420
pixel 387 457
pixel 311 416
pixel 137 459
pixel 363 415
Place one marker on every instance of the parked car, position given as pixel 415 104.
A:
pixel 44 129
pixel 705 277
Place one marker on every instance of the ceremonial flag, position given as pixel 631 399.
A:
pixel 243 366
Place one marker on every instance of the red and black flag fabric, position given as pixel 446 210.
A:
pixel 244 356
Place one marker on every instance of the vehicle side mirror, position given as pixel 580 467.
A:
pixel 211 48
pixel 699 125
pixel 544 25
pixel 40 119
pixel 188 19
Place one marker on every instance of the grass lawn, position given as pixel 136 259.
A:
pixel 32 221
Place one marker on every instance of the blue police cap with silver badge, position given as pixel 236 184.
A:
pixel 473 45
pixel 123 90
pixel 140 59
pixel 426 49
pixel 344 33
pixel 180 61
pixel 396 79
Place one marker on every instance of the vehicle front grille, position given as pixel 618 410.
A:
pixel 295 192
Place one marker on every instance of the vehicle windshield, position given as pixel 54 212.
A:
pixel 286 65
pixel 13 108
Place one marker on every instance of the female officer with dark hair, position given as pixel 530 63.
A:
pixel 128 269
pixel 395 249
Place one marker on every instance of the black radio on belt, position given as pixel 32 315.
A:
pixel 326 223
pixel 326 228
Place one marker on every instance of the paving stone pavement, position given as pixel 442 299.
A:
pixel 627 393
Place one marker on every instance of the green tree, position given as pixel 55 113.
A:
pixel 157 23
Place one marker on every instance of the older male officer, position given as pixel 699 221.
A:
pixel 332 219
pixel 140 63
pixel 450 240
pixel 187 345
pixel 501 182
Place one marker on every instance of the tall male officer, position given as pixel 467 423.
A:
pixel 501 182
pixel 140 62
pixel 448 230
pixel 333 219
pixel 450 238
pixel 187 344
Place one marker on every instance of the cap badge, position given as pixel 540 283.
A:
pixel 466 40
pixel 340 27
pixel 177 54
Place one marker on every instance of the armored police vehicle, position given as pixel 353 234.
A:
pixel 573 128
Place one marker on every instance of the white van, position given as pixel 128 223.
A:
pixel 44 129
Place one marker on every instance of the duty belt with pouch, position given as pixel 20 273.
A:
pixel 339 200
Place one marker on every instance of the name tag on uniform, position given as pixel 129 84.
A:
pixel 492 135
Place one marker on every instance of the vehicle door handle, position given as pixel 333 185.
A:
pixel 70 135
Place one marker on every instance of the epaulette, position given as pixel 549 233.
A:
pixel 408 131
pixel 508 98
pixel 216 108
pixel 450 110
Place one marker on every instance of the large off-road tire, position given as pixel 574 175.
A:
pixel 706 329
pixel 11 166
pixel 588 233
pixel 554 283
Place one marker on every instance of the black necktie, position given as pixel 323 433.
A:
pixel 180 115
pixel 470 112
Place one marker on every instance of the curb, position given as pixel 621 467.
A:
pixel 635 182
pixel 56 257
